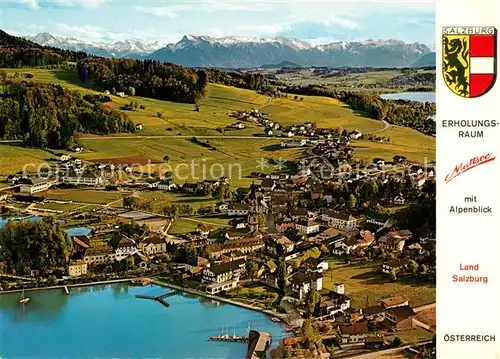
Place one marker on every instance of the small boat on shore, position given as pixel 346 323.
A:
pixel 23 299
pixel 276 320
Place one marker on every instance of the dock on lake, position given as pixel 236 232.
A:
pixel 159 298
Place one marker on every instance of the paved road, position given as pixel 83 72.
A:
pixel 386 127
pixel 378 354
pixel 424 307
pixel 176 137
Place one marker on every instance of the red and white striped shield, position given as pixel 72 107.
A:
pixel 469 59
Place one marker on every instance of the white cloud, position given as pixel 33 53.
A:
pixel 84 32
pixel 38 4
pixel 172 11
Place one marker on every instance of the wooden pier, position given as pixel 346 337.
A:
pixel 159 298
pixel 66 290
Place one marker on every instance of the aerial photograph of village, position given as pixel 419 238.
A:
pixel 217 180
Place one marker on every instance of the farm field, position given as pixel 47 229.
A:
pixel 82 195
pixel 306 76
pixel 414 145
pixel 189 224
pixel 171 118
pixel 232 158
pixel 159 136
pixel 13 157
pixel 365 281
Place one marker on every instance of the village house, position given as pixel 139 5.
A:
pixel 399 200
pixel 301 283
pixel 353 333
pixel 197 262
pixel 396 266
pixel 153 245
pixel 63 157
pixel 307 227
pixel 237 209
pixel 299 213
pixel 139 127
pixel 339 220
pixel 239 125
pixel 244 245
pixel 325 236
pixel 393 302
pixel 279 240
pixel 190 187
pixel 395 240
pixel 86 178
pixel 223 207
pixel 268 132
pixel 80 244
pixel 315 265
pixel 99 255
pixel 375 313
pixel 77 268
pixel 126 247
pixel 223 277
pixel 400 317
pixel 298 143
pixel 34 185
pixel 363 239
pixel 334 302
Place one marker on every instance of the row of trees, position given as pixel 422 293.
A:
pixel 399 112
pixel 46 115
pixel 26 246
pixel 251 81
pixel 147 78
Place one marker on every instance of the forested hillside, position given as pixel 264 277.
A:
pixel 45 115
pixel 18 52
pixel 144 78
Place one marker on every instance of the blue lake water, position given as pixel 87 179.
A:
pixel 107 321
pixel 5 220
pixel 411 96
pixel 79 231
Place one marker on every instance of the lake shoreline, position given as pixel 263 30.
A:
pixel 159 283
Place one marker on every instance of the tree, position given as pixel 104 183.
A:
pixel 262 221
pixel 281 277
pixel 396 342
pixel 252 269
pixel 131 91
pixel 413 267
pixel 312 299
pixel 26 246
pixel 351 202
pixel 311 334
pixel 423 270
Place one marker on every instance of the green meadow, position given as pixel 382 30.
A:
pixel 165 121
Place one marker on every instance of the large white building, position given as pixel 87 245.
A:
pixel 339 220
pixel 84 179
pixel 34 185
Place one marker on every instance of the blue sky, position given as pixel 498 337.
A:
pixel 168 21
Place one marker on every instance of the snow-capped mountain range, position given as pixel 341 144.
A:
pixel 234 52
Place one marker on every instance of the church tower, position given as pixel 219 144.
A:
pixel 253 211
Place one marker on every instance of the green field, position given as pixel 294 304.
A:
pixel 365 281
pixel 159 136
pixel 83 195
pixel 14 158
pixel 381 78
pixel 414 145
pixel 184 225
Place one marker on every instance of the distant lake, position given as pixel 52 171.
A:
pixel 411 96
pixel 78 231
pixel 107 321
pixel 5 220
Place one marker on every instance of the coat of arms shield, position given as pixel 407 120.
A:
pixel 469 59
